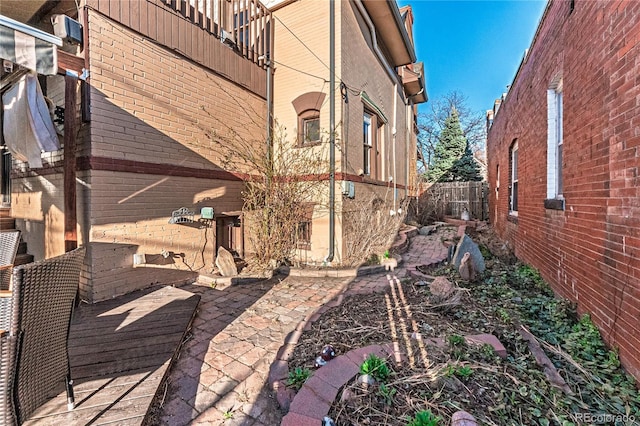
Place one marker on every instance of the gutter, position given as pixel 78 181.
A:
pixel 405 37
pixel 374 38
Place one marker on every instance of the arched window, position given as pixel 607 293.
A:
pixel 307 108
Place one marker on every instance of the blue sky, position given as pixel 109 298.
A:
pixel 474 46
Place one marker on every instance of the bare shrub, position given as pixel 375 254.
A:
pixel 429 207
pixel 370 228
pixel 281 185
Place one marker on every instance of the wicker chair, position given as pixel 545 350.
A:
pixel 9 241
pixel 42 304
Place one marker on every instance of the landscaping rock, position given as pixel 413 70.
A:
pixel 427 230
pixel 466 245
pixel 441 288
pixel 365 380
pixel 466 269
pixel 226 263
pixel 462 418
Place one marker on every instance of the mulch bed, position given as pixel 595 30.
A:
pixel 457 376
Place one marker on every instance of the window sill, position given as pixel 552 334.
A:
pixel 554 204
pixel 513 218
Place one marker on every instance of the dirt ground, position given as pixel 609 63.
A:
pixel 456 376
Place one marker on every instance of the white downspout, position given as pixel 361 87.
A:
pixel 407 139
pixel 393 133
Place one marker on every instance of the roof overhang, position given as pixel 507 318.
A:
pixel 24 11
pixel 413 82
pixel 385 15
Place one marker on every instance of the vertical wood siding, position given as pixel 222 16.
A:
pixel 230 37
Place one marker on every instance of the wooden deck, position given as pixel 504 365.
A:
pixel 120 351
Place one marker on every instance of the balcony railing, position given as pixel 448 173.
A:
pixel 244 25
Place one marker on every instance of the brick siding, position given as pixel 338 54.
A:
pixel 150 106
pixel 590 251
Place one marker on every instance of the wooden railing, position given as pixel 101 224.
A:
pixel 244 25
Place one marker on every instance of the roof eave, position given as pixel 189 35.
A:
pixel 379 12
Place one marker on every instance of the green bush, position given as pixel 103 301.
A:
pixel 297 377
pixel 375 367
pixel 424 418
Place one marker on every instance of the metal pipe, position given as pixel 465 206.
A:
pixel 269 105
pixel 394 131
pixel 408 110
pixel 332 129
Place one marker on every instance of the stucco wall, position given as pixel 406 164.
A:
pixel 590 251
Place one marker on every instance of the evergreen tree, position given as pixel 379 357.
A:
pixel 449 149
pixel 466 168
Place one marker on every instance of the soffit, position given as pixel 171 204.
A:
pixel 21 11
pixel 386 17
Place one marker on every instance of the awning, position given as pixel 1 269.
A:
pixel 29 47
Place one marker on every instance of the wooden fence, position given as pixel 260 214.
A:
pixel 452 197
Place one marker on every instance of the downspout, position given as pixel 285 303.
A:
pixel 269 106
pixel 332 129
pixel 374 39
pixel 409 116
pixel 393 133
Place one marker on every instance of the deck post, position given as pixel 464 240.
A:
pixel 70 134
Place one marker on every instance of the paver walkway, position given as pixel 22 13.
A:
pixel 221 376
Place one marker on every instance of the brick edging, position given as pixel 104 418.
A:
pixel 315 398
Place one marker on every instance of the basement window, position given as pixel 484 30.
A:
pixel 304 227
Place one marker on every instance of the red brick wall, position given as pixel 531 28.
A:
pixel 590 252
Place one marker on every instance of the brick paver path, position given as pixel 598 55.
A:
pixel 240 331
pixel 236 336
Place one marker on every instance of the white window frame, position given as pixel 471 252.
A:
pixel 368 142
pixel 554 140
pixel 513 179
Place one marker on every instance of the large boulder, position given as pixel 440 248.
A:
pixel 226 263
pixel 466 245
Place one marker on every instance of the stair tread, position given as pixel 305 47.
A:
pixel 22 247
pixel 21 259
